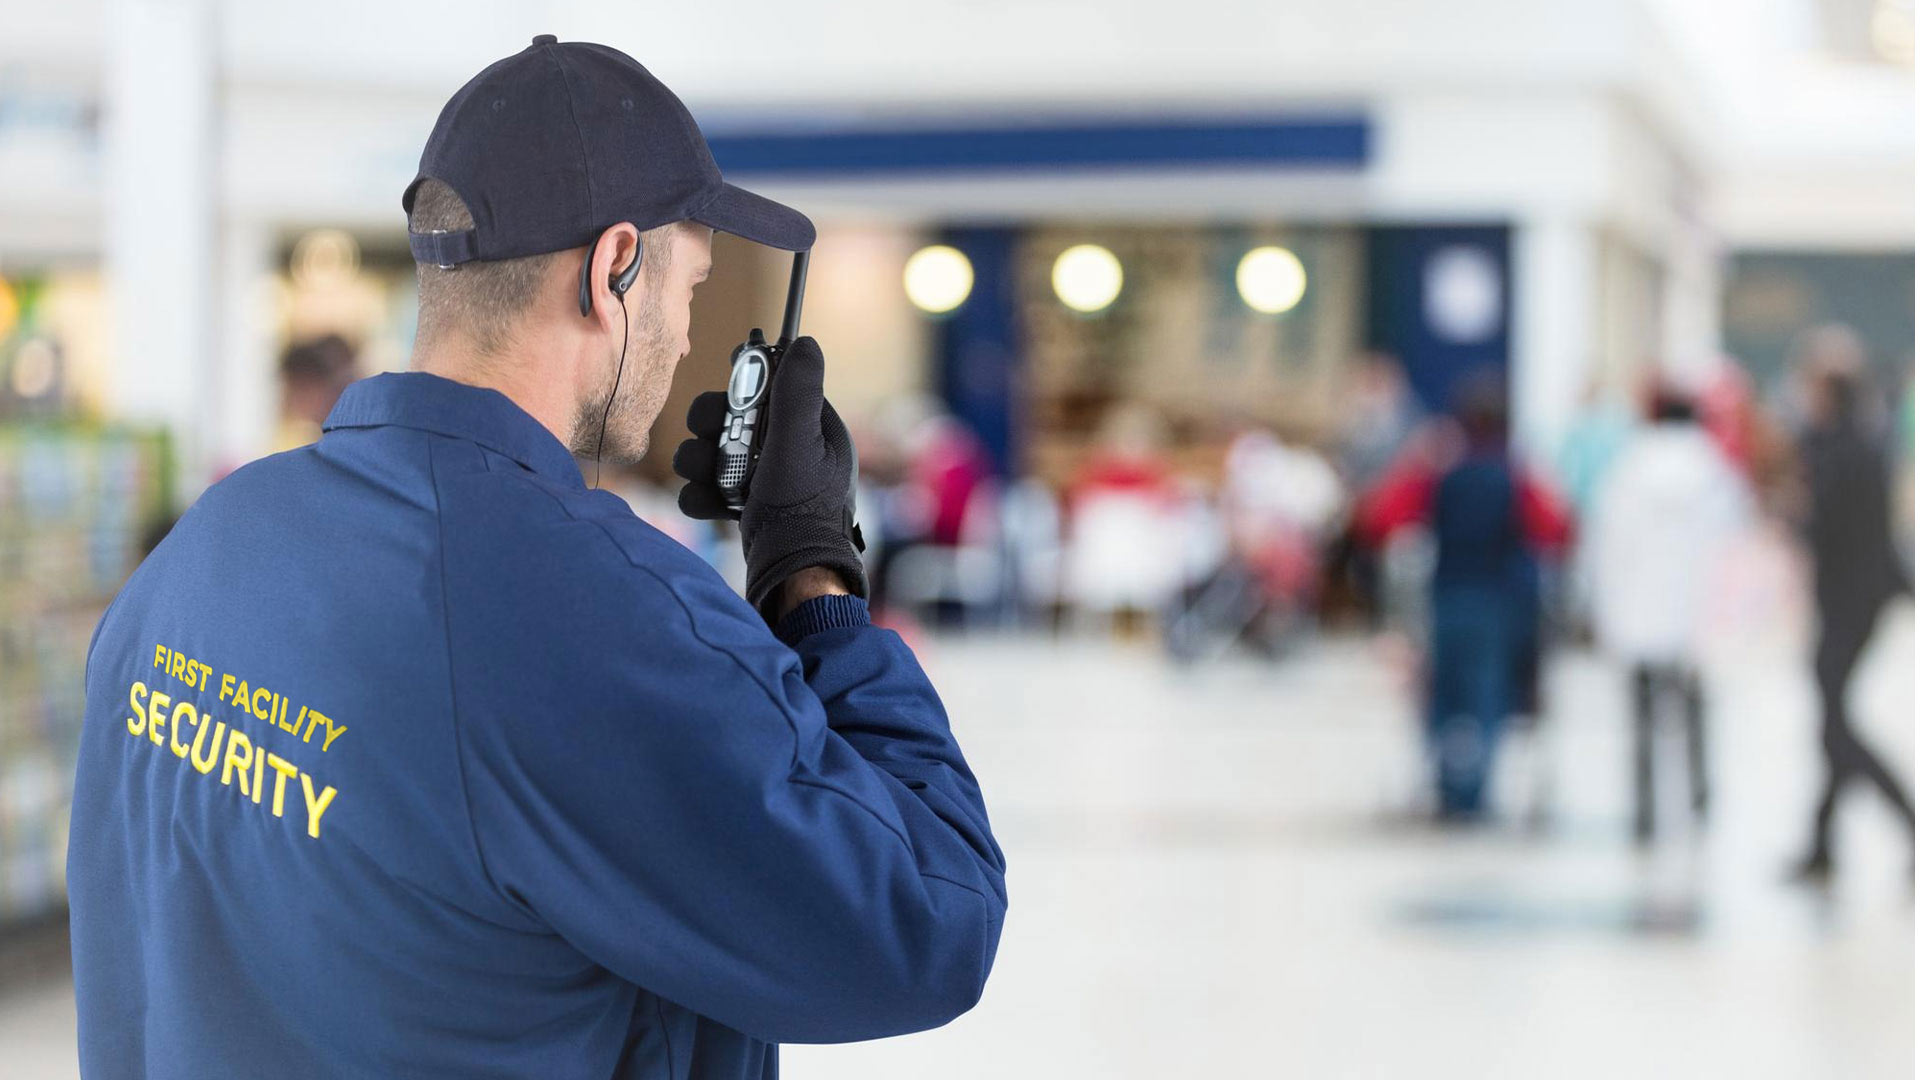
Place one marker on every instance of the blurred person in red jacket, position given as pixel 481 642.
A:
pixel 950 468
pixel 1491 520
pixel 1129 458
pixel 933 480
pixel 1126 520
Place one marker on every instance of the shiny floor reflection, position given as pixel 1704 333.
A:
pixel 1221 872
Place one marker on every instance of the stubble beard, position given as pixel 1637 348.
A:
pixel 641 391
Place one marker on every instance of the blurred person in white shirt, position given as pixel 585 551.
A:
pixel 1280 503
pixel 1271 484
pixel 1666 510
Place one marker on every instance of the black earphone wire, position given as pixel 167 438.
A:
pixel 625 333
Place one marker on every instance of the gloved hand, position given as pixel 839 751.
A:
pixel 799 510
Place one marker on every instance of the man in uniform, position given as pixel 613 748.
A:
pixel 409 754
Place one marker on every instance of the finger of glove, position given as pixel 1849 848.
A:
pixel 704 502
pixel 697 460
pixel 840 445
pixel 707 415
pixel 795 400
pixel 833 430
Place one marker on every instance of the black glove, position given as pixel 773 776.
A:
pixel 799 510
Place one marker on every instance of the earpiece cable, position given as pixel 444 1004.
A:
pixel 601 443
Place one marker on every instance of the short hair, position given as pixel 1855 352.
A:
pixel 1480 404
pixel 1844 390
pixel 484 298
pixel 487 297
pixel 1672 407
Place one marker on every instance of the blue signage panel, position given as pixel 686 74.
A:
pixel 978 356
pixel 1440 298
pixel 1295 141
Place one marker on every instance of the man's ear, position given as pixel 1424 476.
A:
pixel 608 271
pixel 628 266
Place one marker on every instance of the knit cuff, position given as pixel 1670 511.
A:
pixel 828 612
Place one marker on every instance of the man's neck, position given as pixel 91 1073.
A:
pixel 548 400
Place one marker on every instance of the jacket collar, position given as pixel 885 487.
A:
pixel 424 402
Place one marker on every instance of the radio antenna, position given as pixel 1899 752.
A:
pixel 796 292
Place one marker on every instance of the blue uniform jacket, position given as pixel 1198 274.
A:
pixel 406 754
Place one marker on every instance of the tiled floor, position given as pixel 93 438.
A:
pixel 1215 873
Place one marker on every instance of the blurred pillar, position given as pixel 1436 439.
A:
pixel 978 360
pixel 245 388
pixel 1556 289
pixel 1692 302
pixel 158 174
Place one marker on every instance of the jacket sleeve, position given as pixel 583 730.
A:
pixel 789 843
pixel 1544 519
pixel 1403 497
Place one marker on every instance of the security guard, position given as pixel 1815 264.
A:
pixel 408 754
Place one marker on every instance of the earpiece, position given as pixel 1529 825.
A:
pixel 625 279
pixel 620 284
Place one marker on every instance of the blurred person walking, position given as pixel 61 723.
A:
pixel 1849 535
pixel 1588 450
pixel 1491 521
pixel 1666 510
pixel 1599 432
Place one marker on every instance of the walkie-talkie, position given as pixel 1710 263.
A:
pixel 753 363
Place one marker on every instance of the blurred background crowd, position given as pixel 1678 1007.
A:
pixel 1450 464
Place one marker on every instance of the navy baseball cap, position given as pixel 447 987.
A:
pixel 556 143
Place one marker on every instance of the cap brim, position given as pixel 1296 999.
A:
pixel 761 220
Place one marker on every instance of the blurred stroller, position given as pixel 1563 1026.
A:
pixel 1260 586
